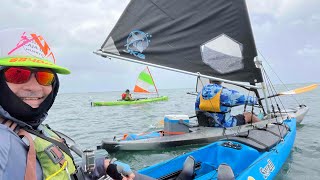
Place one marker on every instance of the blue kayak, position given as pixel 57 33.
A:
pixel 256 154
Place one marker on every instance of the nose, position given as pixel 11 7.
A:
pixel 32 84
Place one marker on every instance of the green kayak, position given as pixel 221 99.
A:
pixel 137 101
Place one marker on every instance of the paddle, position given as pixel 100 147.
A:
pixel 134 99
pixel 137 99
pixel 193 93
pixel 295 91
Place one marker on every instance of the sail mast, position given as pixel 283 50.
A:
pixel 103 54
pixel 263 85
pixel 198 78
pixel 153 81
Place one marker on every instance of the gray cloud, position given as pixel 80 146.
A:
pixel 287 34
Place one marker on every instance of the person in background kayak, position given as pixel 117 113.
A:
pixel 29 85
pixel 126 96
pixel 214 102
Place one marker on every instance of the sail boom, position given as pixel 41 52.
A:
pixel 103 54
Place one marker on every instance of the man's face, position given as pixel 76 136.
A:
pixel 31 92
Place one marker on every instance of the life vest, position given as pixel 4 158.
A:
pixel 48 156
pixel 123 96
pixel 126 97
pixel 55 163
pixel 212 104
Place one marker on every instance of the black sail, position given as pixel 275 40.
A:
pixel 213 37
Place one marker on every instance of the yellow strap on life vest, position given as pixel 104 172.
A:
pixel 211 105
pixel 61 169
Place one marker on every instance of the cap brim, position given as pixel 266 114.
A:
pixel 32 62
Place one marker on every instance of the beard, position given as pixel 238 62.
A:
pixel 20 110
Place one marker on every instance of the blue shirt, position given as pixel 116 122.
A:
pixel 228 98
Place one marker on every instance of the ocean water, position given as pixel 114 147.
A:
pixel 73 115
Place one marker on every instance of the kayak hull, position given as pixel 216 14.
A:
pixel 247 158
pixel 196 136
pixel 298 113
pixel 139 101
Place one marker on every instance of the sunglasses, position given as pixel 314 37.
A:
pixel 20 75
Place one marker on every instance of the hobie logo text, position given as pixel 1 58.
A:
pixel 267 170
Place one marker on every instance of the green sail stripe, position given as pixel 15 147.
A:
pixel 143 76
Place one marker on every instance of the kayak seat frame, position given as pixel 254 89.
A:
pixel 262 139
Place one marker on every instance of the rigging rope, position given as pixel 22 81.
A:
pixel 275 92
pixel 275 98
pixel 292 96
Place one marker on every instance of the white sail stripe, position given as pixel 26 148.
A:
pixel 146 71
pixel 143 85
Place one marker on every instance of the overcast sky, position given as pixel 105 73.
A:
pixel 287 33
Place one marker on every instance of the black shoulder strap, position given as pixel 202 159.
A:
pixel 61 145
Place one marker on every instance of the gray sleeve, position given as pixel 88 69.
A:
pixel 13 154
pixel 4 151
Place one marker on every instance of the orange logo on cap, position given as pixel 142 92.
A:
pixel 23 59
pixel 34 45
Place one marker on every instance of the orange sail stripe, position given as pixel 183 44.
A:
pixel 139 89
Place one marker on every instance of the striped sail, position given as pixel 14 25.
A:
pixel 145 82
